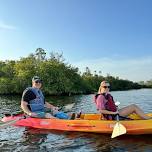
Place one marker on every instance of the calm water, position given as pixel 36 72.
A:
pixel 17 139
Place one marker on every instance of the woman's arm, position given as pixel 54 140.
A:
pixel 100 102
pixel 108 112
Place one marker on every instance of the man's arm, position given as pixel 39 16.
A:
pixel 26 97
pixel 50 106
pixel 24 106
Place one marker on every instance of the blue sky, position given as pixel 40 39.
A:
pixel 112 36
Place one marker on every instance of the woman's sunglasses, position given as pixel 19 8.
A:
pixel 106 87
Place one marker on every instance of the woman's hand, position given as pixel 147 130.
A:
pixel 109 112
pixel 115 113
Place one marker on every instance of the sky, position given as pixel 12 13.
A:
pixel 111 36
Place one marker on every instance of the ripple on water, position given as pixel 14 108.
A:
pixel 17 139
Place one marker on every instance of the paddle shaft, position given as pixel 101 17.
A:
pixel 11 122
pixel 118 129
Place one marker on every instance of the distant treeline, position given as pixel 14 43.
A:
pixel 59 77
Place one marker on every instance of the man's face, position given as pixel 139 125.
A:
pixel 37 84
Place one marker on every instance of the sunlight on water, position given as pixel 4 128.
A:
pixel 16 139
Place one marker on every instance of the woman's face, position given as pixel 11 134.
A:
pixel 105 88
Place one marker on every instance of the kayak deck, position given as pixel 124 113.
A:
pixel 86 123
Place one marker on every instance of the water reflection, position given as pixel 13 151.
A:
pixel 44 140
pixel 16 139
pixel 9 104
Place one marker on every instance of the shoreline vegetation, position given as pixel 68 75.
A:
pixel 59 77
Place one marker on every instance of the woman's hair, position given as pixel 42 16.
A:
pixel 99 90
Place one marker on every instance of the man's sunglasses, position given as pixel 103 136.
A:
pixel 106 87
pixel 38 81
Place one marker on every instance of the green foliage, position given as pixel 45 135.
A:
pixel 58 77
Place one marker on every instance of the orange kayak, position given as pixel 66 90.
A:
pixel 86 123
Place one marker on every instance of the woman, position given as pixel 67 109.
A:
pixel 105 104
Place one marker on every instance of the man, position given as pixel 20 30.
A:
pixel 33 102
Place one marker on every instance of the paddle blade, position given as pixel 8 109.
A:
pixel 68 107
pixel 7 123
pixel 118 130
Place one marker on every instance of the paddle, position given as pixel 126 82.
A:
pixel 67 108
pixel 118 129
pixel 11 122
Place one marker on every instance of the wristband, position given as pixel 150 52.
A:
pixel 29 113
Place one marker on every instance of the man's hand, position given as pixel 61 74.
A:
pixel 32 114
pixel 56 108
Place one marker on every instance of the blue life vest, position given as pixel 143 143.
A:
pixel 37 104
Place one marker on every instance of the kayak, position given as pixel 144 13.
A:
pixel 86 123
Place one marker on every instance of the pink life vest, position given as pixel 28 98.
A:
pixel 109 105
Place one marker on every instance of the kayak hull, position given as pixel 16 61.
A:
pixel 87 123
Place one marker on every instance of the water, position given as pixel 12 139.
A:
pixel 17 139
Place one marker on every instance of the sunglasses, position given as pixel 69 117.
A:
pixel 38 81
pixel 106 87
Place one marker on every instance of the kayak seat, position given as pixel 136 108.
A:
pixel 92 116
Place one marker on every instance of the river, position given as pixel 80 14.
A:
pixel 18 139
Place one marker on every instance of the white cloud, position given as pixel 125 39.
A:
pixel 6 26
pixel 137 69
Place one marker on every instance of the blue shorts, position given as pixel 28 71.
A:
pixel 40 114
pixel 61 115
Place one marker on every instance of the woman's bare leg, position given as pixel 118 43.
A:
pixel 133 109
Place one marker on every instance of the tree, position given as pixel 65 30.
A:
pixel 40 54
